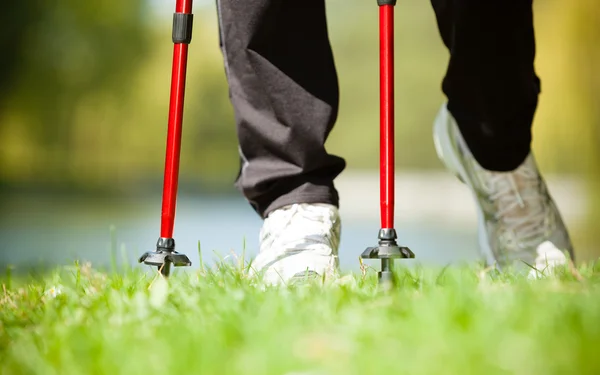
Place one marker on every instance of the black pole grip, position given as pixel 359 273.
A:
pixel 182 27
pixel 386 2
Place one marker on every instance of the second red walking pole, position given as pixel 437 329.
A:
pixel 388 249
pixel 165 254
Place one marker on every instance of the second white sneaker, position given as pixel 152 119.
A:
pixel 297 241
pixel 519 222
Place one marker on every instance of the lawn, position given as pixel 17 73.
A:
pixel 456 320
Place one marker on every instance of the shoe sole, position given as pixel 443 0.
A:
pixel 447 155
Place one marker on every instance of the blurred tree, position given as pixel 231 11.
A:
pixel 14 22
pixel 567 130
pixel 585 72
pixel 84 89
pixel 54 55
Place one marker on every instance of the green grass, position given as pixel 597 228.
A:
pixel 458 320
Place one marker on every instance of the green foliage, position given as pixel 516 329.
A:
pixel 568 133
pixel 84 92
pixel 61 56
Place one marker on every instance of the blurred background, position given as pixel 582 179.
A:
pixel 84 91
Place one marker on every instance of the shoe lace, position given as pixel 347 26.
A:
pixel 310 214
pixel 520 203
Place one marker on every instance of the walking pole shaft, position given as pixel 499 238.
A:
pixel 386 60
pixel 387 249
pixel 165 254
pixel 181 25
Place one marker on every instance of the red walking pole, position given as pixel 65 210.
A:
pixel 165 253
pixel 388 249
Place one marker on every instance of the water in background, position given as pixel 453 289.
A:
pixel 44 232
pixel 435 217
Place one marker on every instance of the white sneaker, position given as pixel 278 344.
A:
pixel 297 241
pixel 519 223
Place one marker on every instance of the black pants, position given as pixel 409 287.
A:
pixel 284 90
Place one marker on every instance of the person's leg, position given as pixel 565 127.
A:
pixel 483 133
pixel 490 82
pixel 284 90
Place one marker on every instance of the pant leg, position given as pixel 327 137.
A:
pixel 491 84
pixel 284 90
